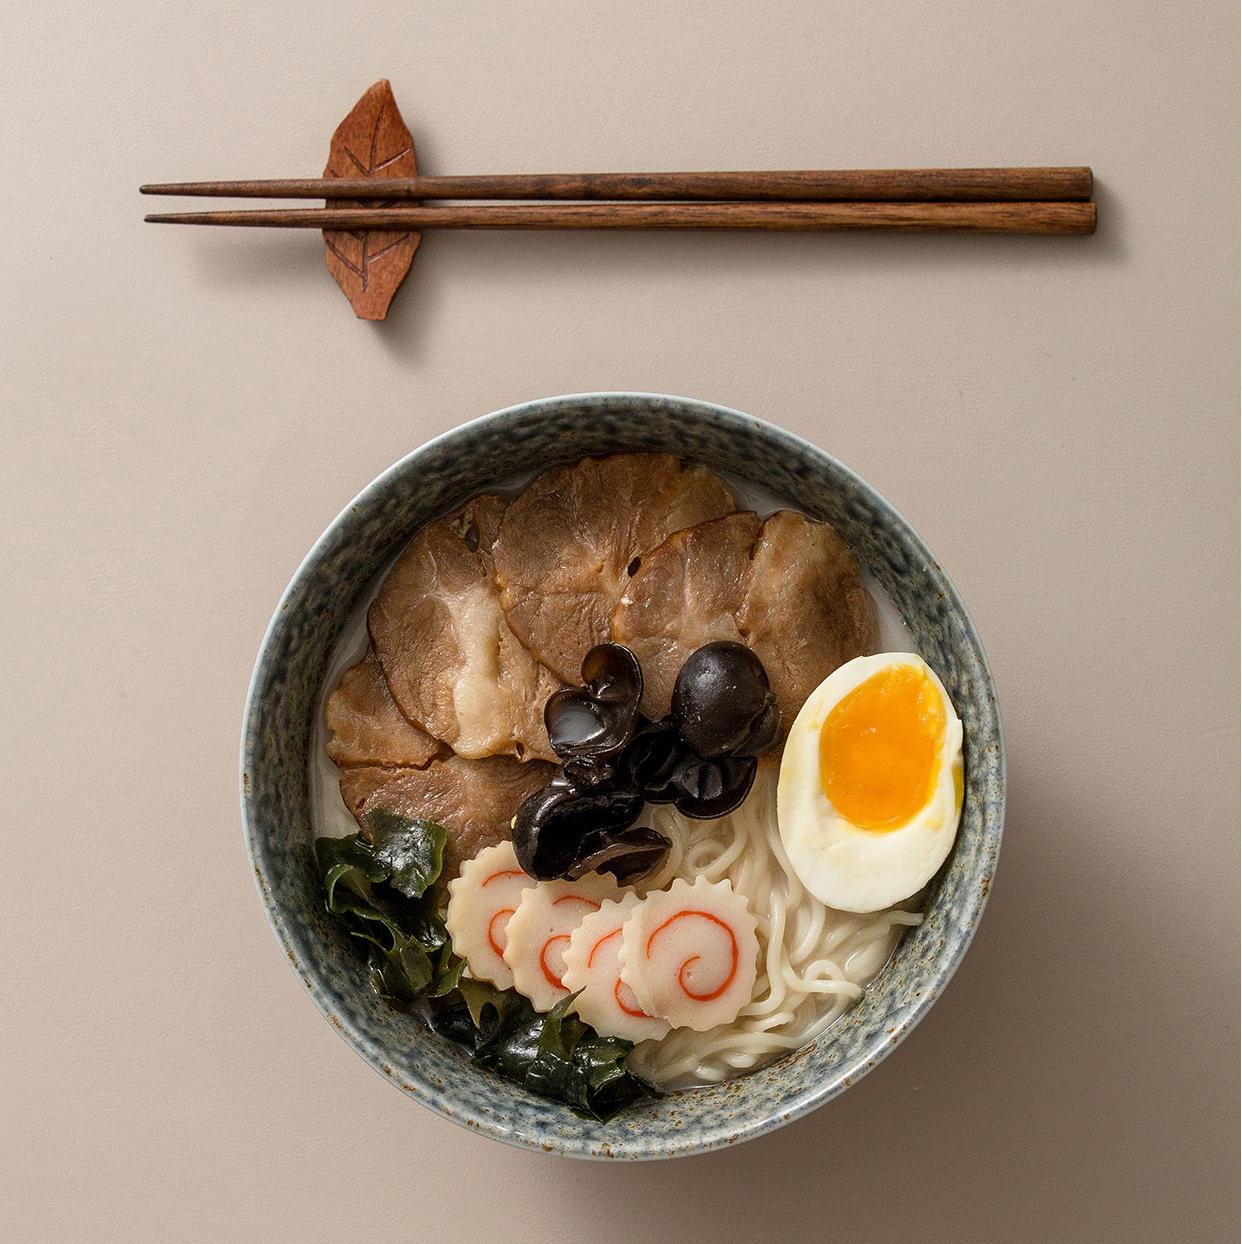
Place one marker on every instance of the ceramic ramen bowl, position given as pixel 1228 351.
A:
pixel 278 728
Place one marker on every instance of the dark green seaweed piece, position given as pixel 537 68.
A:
pixel 384 891
pixel 555 1055
pixel 412 851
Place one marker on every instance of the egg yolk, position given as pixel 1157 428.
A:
pixel 879 748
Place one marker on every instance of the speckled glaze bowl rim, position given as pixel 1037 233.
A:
pixel 843 1077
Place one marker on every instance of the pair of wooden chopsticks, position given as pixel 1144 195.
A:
pixel 996 200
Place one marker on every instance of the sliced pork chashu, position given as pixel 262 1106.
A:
pixel 567 543
pixel 450 660
pixel 805 610
pixel 367 728
pixel 683 596
pixel 788 588
pixel 473 799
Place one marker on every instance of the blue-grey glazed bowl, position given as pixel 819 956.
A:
pixel 278 729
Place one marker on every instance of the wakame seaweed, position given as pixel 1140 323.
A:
pixel 384 890
pixel 555 1055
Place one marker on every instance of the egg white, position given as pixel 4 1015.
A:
pixel 841 864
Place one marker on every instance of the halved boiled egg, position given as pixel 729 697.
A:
pixel 870 791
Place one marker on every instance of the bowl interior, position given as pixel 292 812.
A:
pixel 278 729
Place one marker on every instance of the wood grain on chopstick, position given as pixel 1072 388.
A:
pixel 911 217
pixel 848 185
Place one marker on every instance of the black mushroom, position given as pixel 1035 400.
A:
pixel 702 759
pixel 663 766
pixel 651 760
pixel 552 826
pixel 596 721
pixel 629 854
pixel 723 703
pixel 710 788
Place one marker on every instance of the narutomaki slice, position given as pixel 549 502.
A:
pixel 606 1002
pixel 473 799
pixel 451 662
pixel 482 897
pixel 367 727
pixel 539 931
pixel 690 954
pixel 568 543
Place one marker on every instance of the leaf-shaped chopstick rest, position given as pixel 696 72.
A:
pixel 370 264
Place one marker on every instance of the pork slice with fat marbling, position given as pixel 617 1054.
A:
pixel 447 653
pixel 475 800
pixel 804 609
pixel 367 728
pixel 568 544
pixel 684 595
pixel 788 588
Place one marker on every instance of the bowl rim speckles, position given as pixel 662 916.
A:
pixel 284 693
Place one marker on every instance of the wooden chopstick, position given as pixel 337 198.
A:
pixel 959 217
pixel 849 185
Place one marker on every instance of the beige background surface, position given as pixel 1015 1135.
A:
pixel 183 413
